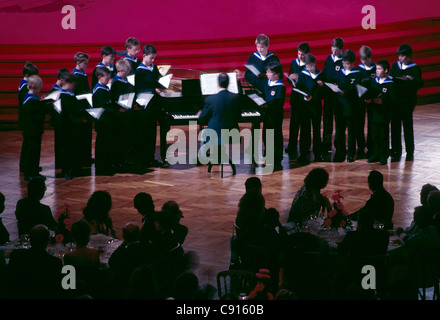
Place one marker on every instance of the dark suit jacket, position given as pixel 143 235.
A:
pixel 29 213
pixel 381 206
pixel 221 111
pixel 34 274
pixel 365 242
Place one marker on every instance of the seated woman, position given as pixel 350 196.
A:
pixel 308 199
pixel 82 257
pixel 96 213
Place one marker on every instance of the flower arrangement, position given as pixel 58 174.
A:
pixel 63 232
pixel 338 216
pixel 261 292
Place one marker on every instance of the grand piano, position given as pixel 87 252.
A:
pixel 184 98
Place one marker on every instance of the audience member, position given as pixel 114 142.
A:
pixel 253 183
pixel 31 212
pixel 308 199
pixel 365 240
pixel 180 231
pixel 4 234
pixel 82 256
pixel 142 284
pixel 34 273
pixel 143 202
pixel 96 213
pixel 434 207
pixel 381 203
pixel 128 256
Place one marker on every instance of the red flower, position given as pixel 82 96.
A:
pixel 264 271
pixel 336 197
pixel 59 238
pixel 340 205
pixel 328 222
pixel 332 213
pixel 342 224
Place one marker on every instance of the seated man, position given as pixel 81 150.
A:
pixel 381 203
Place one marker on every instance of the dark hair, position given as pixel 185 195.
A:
pixel 338 43
pixel 173 208
pixel 365 52
pixel 39 236
pixel 276 67
pixel 130 42
pixel 304 47
pixel 149 49
pixel 309 58
pixel 30 69
pixel 36 188
pixel 102 72
pixel 434 201
pixel 317 178
pixel 405 50
pixel 98 206
pixel 422 216
pixel 348 55
pixel 81 232
pixel 107 50
pixel 186 286
pixel 223 80
pixel 165 220
pixel 250 209
pixel 69 77
pixel 2 197
pixel 81 57
pixel 62 73
pixel 253 183
pixel 271 217
pixel 384 64
pixel 375 179
pixel 424 193
pixel 143 201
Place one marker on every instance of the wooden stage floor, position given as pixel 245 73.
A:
pixel 209 203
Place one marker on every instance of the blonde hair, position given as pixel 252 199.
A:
pixel 123 65
pixel 35 82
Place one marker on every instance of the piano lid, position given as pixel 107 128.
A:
pixel 179 76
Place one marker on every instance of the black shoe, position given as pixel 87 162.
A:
pixel 371 160
pixel 319 158
pixel 156 163
pixel 36 177
pixel 234 170
pixel 68 176
pixel 383 162
pixel 360 155
pixel 395 159
pixel 350 159
pixel 409 157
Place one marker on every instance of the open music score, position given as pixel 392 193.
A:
pixel 209 83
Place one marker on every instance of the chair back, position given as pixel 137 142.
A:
pixel 234 282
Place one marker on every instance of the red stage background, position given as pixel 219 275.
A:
pixel 113 21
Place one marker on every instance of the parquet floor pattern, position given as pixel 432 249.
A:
pixel 209 203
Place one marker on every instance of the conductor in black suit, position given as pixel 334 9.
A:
pixel 222 111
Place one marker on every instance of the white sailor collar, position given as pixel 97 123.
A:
pixel 259 56
pixel 404 67
pixel 111 67
pixel 118 78
pixel 386 80
pixel 363 66
pixel 335 58
pixel 299 62
pixel 143 66
pixel 77 71
pixel 345 72
pixel 312 75
pixel 127 57
pixel 275 83
pixel 100 86
pixel 22 84
pixel 30 96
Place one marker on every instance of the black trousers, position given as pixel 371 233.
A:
pixel 310 122
pixel 380 136
pixel 328 116
pixel 402 116
pixel 273 119
pixel 343 145
pixel 294 127
pixel 360 127
pixel 31 151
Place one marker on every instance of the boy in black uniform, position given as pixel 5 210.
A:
pixel 106 132
pixel 310 109
pixel 380 99
pixel 146 81
pixel 108 56
pixel 261 58
pixel 29 69
pixel 73 119
pixel 132 45
pixel 347 108
pixel 274 93
pixel 296 67
pixel 368 69
pixel 407 78
pixel 55 118
pixel 82 86
pixel 33 114
pixel 332 66
pixel 124 120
